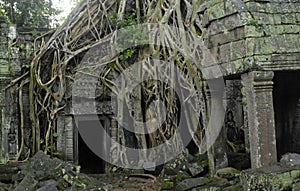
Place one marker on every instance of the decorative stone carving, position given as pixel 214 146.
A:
pixel 231 128
pixel 104 108
pixel 90 107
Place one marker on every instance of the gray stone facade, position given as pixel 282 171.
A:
pixel 16 47
pixel 9 69
pixel 252 41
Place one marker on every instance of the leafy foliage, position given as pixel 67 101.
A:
pixel 33 13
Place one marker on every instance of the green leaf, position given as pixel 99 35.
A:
pixel 55 135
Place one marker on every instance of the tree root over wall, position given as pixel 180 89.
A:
pixel 56 62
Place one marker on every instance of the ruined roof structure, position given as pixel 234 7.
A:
pixel 252 46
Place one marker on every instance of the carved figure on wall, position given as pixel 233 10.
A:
pixel 12 141
pixel 234 134
pixel 231 129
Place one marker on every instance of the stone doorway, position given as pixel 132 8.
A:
pixel 287 111
pixel 91 163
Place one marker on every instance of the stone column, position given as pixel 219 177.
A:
pixel 114 136
pixel 66 145
pixel 69 135
pixel 258 89
pixel 61 139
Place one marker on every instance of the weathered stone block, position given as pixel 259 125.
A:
pixel 216 11
pixel 269 178
pixel 215 28
pixel 250 46
pixel 291 159
pixel 234 35
pixel 297 18
pixel 226 24
pixel 4 69
pixel 286 43
pixel 288 18
pixel 228 173
pixel 256 6
pixel 195 169
pixel 283 29
pixel 238 50
pixel 231 22
pixel 253 31
pixel 225 51
pixel 265 45
pixel 48 185
pixel 28 183
pixel 188 184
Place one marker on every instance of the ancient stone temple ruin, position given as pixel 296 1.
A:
pixel 256 42
pixel 256 45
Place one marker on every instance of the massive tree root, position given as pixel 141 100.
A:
pixel 55 63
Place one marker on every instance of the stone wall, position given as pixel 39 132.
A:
pixel 253 34
pixel 252 39
pixel 9 69
pixel 16 53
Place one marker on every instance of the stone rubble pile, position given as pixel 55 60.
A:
pixel 44 174
pixel 185 173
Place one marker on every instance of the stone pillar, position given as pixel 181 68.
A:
pixel 65 139
pixel 262 137
pixel 114 136
pixel 246 124
pixel 69 135
pixel 61 141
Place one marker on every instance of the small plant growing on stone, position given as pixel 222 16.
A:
pixel 258 25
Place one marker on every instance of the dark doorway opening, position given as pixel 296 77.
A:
pixel 287 111
pixel 91 163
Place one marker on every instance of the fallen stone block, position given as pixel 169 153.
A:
pixel 28 184
pixel 195 169
pixel 228 173
pixel 291 159
pixel 188 184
